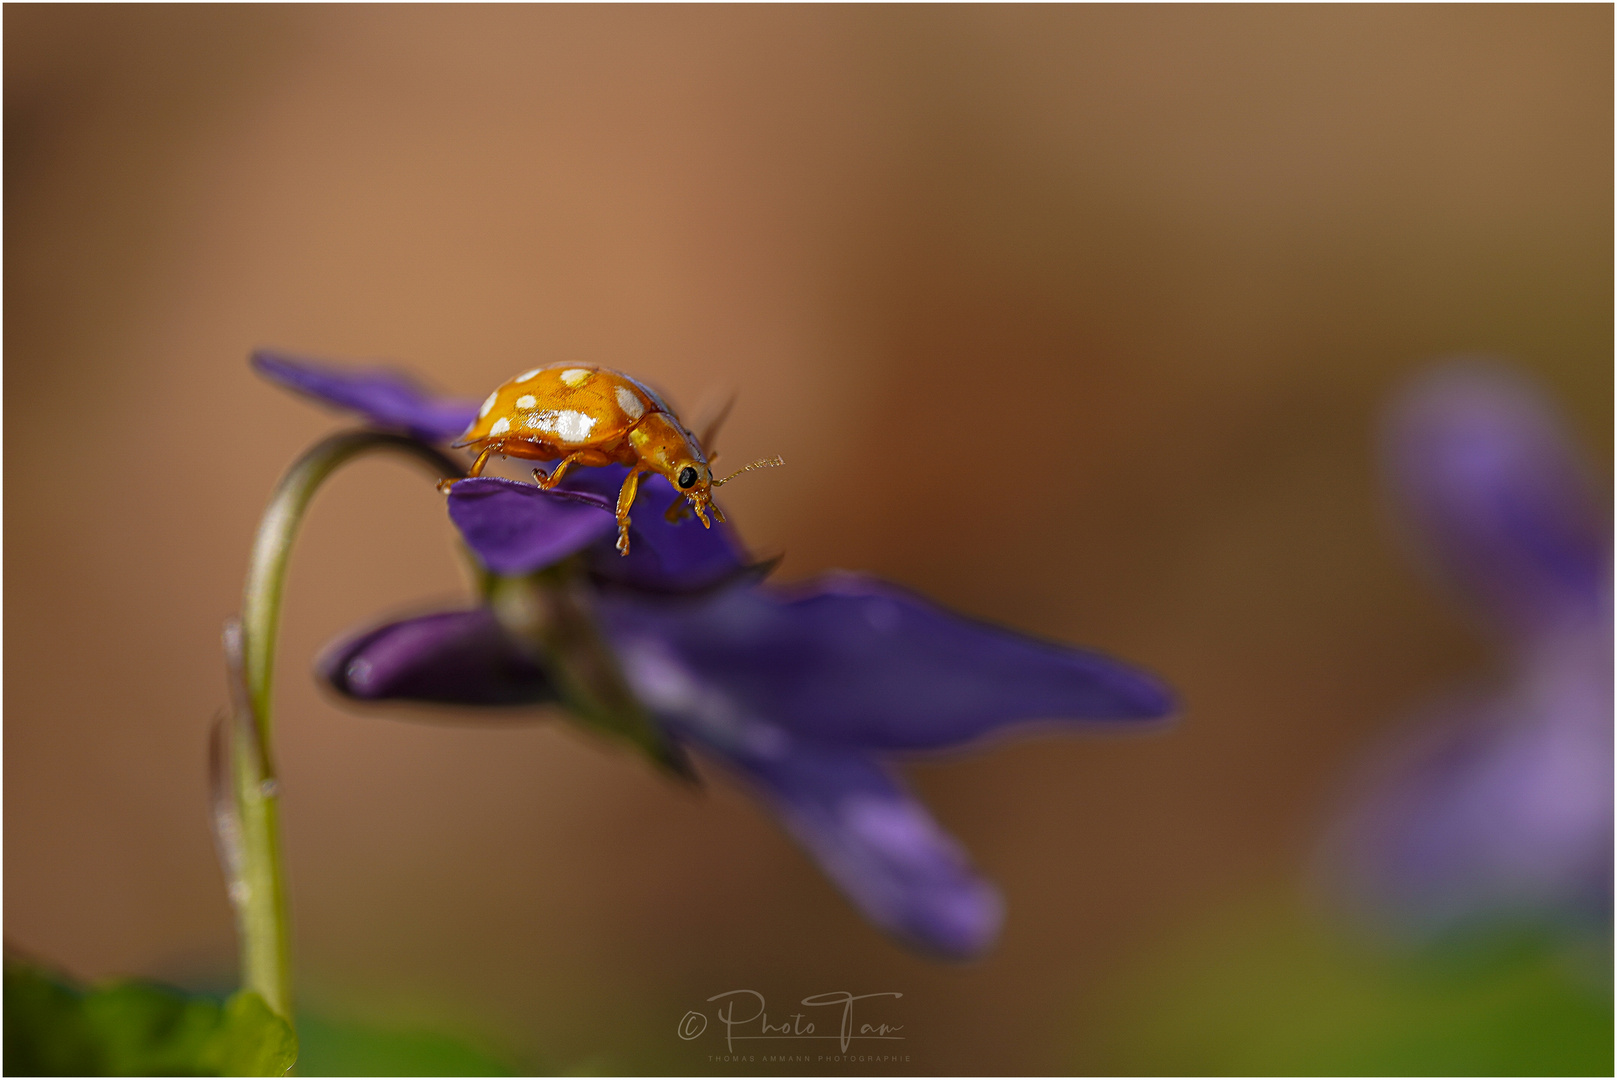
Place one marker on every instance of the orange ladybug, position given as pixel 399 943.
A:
pixel 596 416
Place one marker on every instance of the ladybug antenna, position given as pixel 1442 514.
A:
pixel 761 463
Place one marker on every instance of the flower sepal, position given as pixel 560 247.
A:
pixel 550 616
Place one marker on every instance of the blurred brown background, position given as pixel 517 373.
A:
pixel 1177 255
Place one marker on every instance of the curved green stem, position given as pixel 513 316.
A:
pixel 259 893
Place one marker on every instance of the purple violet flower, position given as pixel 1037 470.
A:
pixel 1500 805
pixel 385 397
pixel 803 692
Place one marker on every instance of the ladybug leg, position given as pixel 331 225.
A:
pixel 677 510
pixel 482 459
pixel 548 482
pixel 477 466
pixel 631 484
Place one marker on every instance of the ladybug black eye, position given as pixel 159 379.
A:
pixel 687 476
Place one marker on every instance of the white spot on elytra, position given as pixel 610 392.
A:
pixel 527 401
pixel 574 426
pixel 526 375
pixel 568 425
pixel 488 403
pixel 629 402
pixel 501 426
pixel 576 376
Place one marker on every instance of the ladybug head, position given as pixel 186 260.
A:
pixel 701 491
pixel 694 480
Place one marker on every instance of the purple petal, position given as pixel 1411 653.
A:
pixel 872 838
pixel 455 657
pixel 853 661
pixel 515 528
pixel 1500 807
pixel 881 848
pixel 385 397
pixel 663 556
pixel 1482 470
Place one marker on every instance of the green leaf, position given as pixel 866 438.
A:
pixel 346 1048
pixel 137 1028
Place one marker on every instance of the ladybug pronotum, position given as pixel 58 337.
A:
pixel 596 416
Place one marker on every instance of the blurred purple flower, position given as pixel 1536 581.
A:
pixel 801 692
pixel 1501 804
